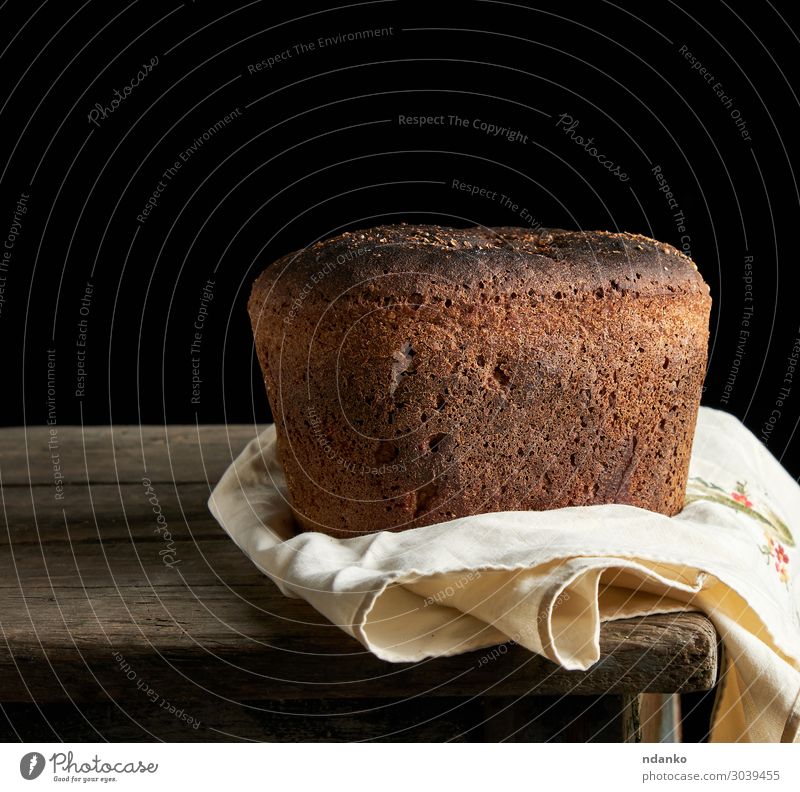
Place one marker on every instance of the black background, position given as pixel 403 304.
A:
pixel 318 148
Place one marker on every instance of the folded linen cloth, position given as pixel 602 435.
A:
pixel 546 580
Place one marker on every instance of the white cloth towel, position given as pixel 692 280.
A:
pixel 546 580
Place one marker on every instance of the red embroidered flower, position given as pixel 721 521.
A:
pixel 740 497
pixel 781 555
pixel 777 556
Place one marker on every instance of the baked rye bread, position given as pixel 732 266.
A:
pixel 418 373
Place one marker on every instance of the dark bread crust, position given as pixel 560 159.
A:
pixel 543 261
pixel 419 373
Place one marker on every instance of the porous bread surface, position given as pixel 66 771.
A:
pixel 419 373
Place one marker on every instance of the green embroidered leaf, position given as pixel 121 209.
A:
pixel 780 527
pixel 701 490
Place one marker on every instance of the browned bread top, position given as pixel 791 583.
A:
pixel 541 264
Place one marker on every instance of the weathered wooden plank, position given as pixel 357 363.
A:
pixel 117 556
pixel 90 593
pixel 213 622
pixel 165 638
pixel 28 455
pixel 107 512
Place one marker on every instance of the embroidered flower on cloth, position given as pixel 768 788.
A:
pixel 777 555
pixel 740 497
pixel 776 532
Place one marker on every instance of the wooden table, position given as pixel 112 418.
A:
pixel 103 638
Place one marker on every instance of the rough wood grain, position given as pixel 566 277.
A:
pixel 121 453
pixel 91 616
pixel 105 512
pixel 213 622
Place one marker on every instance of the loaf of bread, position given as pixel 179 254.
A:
pixel 417 373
